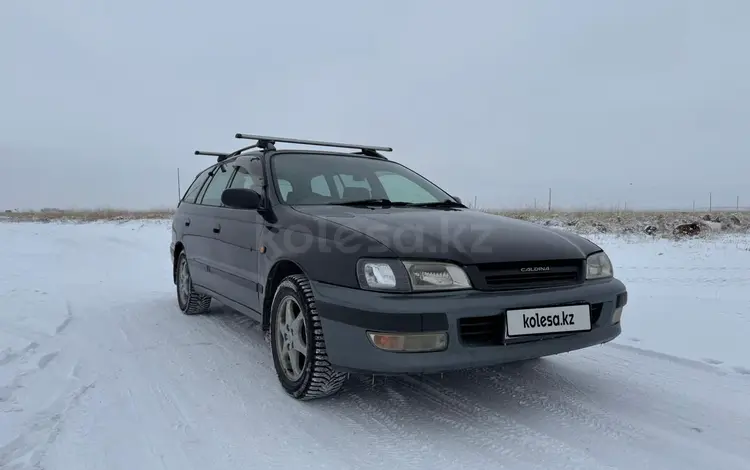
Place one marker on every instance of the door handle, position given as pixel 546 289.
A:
pixel 187 222
pixel 217 228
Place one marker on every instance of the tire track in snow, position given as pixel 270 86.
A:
pixel 22 365
pixel 11 355
pixel 542 398
pixel 8 401
pixel 236 379
pixel 495 429
pixel 559 397
pixel 519 399
pixel 399 433
pixel 30 447
pixel 581 405
pixel 673 410
pixel 707 366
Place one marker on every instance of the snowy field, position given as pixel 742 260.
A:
pixel 100 370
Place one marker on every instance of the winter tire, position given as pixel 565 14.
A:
pixel 190 302
pixel 297 344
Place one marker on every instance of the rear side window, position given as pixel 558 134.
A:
pixel 194 188
pixel 217 185
pixel 243 179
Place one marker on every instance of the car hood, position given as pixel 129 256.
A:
pixel 461 235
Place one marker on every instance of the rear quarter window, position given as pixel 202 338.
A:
pixel 195 187
pixel 217 185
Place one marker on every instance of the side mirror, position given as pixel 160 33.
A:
pixel 240 198
pixel 458 199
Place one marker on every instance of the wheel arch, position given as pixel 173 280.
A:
pixel 280 269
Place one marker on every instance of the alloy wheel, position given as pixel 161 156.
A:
pixel 291 338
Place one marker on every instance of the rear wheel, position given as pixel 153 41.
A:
pixel 297 343
pixel 190 302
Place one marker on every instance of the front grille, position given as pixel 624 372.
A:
pixel 518 276
pixel 490 330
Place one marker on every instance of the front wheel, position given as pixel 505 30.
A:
pixel 297 343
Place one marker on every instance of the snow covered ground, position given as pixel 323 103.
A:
pixel 99 370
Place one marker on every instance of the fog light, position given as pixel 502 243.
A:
pixel 411 342
pixel 616 316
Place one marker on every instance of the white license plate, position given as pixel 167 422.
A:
pixel 535 321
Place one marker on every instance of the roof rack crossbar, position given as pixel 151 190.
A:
pixel 225 155
pixel 212 154
pixel 267 142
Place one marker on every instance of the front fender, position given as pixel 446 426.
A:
pixel 330 260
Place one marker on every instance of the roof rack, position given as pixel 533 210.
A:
pixel 223 155
pixel 268 143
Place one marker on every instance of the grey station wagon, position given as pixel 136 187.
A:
pixel 352 262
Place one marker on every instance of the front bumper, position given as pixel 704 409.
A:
pixel 348 314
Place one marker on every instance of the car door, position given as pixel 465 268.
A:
pixel 240 229
pixel 192 230
pixel 207 219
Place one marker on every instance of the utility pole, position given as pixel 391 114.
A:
pixel 710 201
pixel 738 203
pixel 549 201
pixel 179 190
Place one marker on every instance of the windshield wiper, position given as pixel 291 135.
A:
pixel 371 202
pixel 445 203
pixel 389 203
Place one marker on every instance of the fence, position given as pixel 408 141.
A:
pixel 549 206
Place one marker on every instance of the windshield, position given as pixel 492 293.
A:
pixel 311 179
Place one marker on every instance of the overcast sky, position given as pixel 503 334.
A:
pixel 645 102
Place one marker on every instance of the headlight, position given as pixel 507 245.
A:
pixel 379 276
pixel 598 266
pixel 436 276
pixel 408 276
